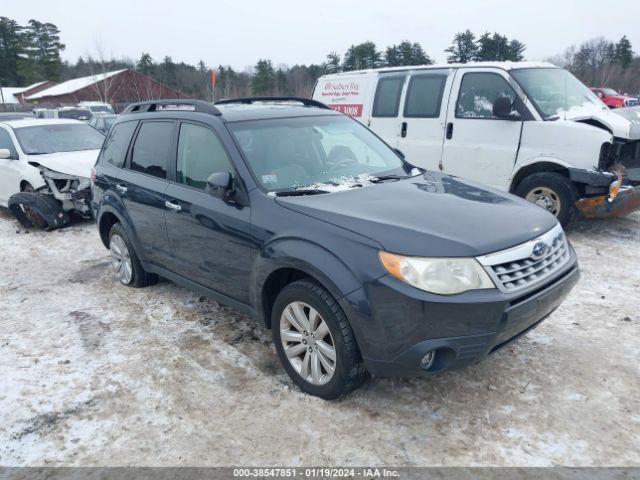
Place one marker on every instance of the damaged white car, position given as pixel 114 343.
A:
pixel 45 170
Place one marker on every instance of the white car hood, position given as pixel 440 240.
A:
pixel 78 164
pixel 622 122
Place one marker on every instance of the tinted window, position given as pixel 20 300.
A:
pixel 6 142
pixel 200 154
pixel 150 152
pixel 424 96
pixel 478 91
pixel 387 97
pixel 115 148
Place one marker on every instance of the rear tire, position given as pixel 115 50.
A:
pixel 315 341
pixel 553 192
pixel 125 263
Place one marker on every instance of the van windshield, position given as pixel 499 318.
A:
pixel 554 90
pixel 326 153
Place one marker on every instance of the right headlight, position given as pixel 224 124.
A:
pixel 444 276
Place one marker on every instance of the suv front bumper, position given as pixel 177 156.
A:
pixel 463 329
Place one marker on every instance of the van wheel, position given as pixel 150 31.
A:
pixel 315 341
pixel 553 192
pixel 124 261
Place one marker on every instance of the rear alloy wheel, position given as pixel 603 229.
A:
pixel 125 264
pixel 553 192
pixel 315 341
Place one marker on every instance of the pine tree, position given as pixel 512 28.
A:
pixel 332 65
pixel 463 49
pixel 406 53
pixel 263 81
pixel 364 55
pixel 145 65
pixel 42 52
pixel 11 48
pixel 622 52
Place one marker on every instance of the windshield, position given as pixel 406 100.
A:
pixel 101 109
pixel 43 139
pixel 554 90
pixel 314 152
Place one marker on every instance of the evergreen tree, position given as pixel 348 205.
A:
pixel 42 52
pixel 364 55
pixel 332 65
pixel 622 52
pixel 463 49
pixel 145 65
pixel 516 50
pixel 11 48
pixel 263 81
pixel 406 53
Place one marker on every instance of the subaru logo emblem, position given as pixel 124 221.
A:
pixel 539 249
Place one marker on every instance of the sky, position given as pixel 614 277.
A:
pixel 290 32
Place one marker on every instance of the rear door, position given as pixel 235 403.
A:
pixel 423 118
pixel 384 119
pixel 478 145
pixel 142 186
pixel 209 237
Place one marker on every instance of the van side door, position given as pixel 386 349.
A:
pixel 424 115
pixel 479 145
pixel 384 118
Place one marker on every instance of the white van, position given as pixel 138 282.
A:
pixel 529 128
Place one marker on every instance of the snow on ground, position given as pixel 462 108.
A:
pixel 93 373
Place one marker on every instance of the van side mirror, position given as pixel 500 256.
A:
pixel 5 154
pixel 219 185
pixel 503 107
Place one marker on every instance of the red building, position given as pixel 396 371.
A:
pixel 117 87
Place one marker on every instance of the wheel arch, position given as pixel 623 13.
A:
pixel 537 166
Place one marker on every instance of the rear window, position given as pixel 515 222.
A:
pixel 115 148
pixel 387 99
pixel 150 153
pixel 424 96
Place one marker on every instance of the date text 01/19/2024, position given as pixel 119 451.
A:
pixel 315 472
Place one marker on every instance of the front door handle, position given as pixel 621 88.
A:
pixel 449 130
pixel 403 129
pixel 173 206
pixel 122 189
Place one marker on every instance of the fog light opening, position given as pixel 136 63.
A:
pixel 427 361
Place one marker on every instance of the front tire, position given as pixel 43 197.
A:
pixel 315 341
pixel 553 192
pixel 125 263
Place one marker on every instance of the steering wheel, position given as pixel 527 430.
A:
pixel 341 163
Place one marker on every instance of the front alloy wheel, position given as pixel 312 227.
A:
pixel 121 259
pixel 308 343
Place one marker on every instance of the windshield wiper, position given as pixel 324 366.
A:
pixel 384 178
pixel 299 193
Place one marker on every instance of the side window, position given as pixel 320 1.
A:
pixel 6 142
pixel 116 145
pixel 200 153
pixel 424 96
pixel 387 98
pixel 150 153
pixel 478 92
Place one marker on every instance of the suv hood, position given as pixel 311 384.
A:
pixel 623 122
pixel 78 164
pixel 429 215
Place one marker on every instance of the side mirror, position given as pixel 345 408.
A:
pixel 600 94
pixel 502 108
pixel 399 152
pixel 219 185
pixel 5 154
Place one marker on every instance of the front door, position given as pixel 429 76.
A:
pixel 142 186
pixel 9 168
pixel 209 237
pixel 423 118
pixel 478 145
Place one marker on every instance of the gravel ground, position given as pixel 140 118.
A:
pixel 93 373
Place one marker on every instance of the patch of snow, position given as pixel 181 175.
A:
pixel 73 85
pixel 340 184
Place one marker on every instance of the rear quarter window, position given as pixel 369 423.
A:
pixel 117 144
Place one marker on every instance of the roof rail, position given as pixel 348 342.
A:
pixel 307 102
pixel 156 105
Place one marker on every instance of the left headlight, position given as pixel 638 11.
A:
pixel 444 276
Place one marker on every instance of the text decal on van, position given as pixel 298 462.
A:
pixel 353 110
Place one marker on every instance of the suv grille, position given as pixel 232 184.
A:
pixel 530 263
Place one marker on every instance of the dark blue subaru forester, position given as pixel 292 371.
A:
pixel 303 218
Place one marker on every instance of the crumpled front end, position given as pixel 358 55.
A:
pixel 51 206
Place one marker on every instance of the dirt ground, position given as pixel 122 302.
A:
pixel 93 373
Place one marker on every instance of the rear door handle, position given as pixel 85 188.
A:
pixel 449 130
pixel 122 189
pixel 403 129
pixel 173 206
